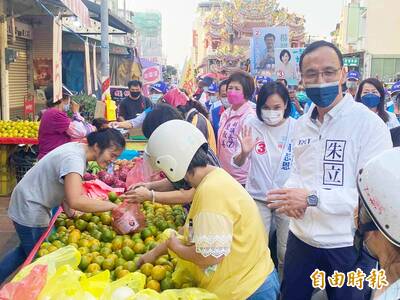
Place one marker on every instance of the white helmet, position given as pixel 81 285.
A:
pixel 378 185
pixel 172 146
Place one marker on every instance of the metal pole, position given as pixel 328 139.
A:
pixel 105 48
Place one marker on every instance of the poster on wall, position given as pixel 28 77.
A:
pixel 119 93
pixel 287 64
pixel 151 75
pixel 263 48
pixel 57 59
pixel 43 72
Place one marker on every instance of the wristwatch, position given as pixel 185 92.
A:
pixel 312 199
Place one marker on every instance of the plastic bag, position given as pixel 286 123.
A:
pixel 72 284
pixel 146 294
pixel 68 255
pixel 97 284
pixel 98 189
pixel 136 281
pixel 28 287
pixel 188 294
pixel 137 173
pixel 127 218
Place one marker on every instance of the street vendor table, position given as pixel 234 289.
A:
pixel 7 171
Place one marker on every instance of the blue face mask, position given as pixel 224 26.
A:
pixel 371 100
pixel 154 98
pixel 324 94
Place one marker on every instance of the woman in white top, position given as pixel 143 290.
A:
pixel 378 223
pixel 266 141
pixel 372 94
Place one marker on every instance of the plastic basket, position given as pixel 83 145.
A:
pixel 22 169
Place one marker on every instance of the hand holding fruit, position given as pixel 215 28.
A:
pixel 149 257
pixel 137 185
pixel 173 241
pixel 139 194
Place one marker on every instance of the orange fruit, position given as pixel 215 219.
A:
pixel 158 273
pixel 139 248
pixel 146 269
pixel 121 273
pixel 43 252
pixel 105 218
pixel 154 285
pixel 127 253
pixel 128 243
pixel 130 266
pixel 93 268
pixel 117 244
pixel 108 264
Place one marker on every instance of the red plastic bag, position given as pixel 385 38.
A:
pixel 142 172
pixel 127 218
pixel 137 173
pixel 98 189
pixel 28 288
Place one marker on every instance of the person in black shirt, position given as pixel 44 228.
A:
pixel 135 103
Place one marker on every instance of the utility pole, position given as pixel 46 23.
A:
pixel 105 50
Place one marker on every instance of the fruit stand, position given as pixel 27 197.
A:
pixel 12 134
pixel 90 253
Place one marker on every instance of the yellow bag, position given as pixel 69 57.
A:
pixel 146 294
pixel 97 284
pixel 71 284
pixel 136 281
pixel 111 109
pixel 68 255
pixel 64 282
pixel 188 294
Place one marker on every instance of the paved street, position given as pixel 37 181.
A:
pixel 8 238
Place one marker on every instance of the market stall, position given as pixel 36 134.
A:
pixel 17 152
pixel 96 255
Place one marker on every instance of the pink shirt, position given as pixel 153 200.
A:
pixel 228 144
pixel 52 131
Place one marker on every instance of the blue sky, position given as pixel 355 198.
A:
pixel 178 15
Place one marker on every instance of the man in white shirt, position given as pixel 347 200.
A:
pixel 332 142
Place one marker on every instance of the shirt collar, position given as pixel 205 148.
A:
pixel 241 111
pixel 335 111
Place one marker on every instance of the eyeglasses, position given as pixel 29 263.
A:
pixel 329 75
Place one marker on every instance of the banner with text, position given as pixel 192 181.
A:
pixel 188 80
pixel 151 75
pixel 57 59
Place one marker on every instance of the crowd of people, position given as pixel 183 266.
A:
pixel 284 183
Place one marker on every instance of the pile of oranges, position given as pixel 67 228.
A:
pixel 102 248
pixel 19 129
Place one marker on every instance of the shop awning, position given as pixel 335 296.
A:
pixel 76 7
pixel 113 20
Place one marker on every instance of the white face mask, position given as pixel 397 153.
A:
pixel 213 99
pixel 225 102
pixel 272 117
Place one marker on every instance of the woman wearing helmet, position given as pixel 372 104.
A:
pixel 223 235
pixel 378 225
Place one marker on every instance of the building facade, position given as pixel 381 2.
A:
pixel 366 34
